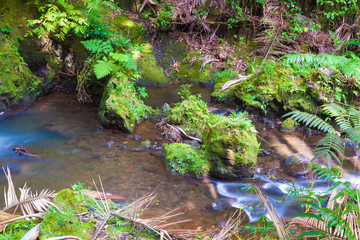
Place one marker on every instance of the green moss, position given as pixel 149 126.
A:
pixel 232 143
pixel 185 159
pixel 192 113
pixel 289 125
pixel 151 72
pixel 192 70
pixel 220 78
pixel 145 144
pixel 58 223
pixel 172 51
pixel 120 105
pixel 68 200
pixel 18 229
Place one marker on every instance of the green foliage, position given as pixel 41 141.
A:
pixel 18 229
pixel 58 18
pixel 186 159
pixel 98 46
pixel 347 122
pixel 192 112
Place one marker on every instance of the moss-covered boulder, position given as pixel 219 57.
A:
pixel 150 71
pixel 57 223
pixel 186 160
pixel 192 69
pixel 192 113
pixel 220 78
pixel 232 143
pixel 68 200
pixel 121 106
pixel 289 125
pixel 18 84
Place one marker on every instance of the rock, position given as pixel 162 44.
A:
pixel 289 125
pixel 120 107
pixel 231 142
pixel 124 147
pixel 328 72
pixel 109 144
pixel 137 137
pixel 140 149
pixel 297 165
pixel 159 138
pixel 266 153
pixel 151 73
pixel 145 144
pixel 166 108
pixel 186 160
pixel 308 132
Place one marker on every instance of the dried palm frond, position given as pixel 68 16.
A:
pixel 275 217
pixel 228 229
pixel 206 60
pixel 176 133
pixel 7 218
pixel 235 82
pixel 29 202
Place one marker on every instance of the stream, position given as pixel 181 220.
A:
pixel 72 147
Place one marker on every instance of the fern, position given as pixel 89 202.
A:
pixel 329 146
pixel 348 64
pixel 311 121
pixel 97 46
pixel 103 68
pixel 346 119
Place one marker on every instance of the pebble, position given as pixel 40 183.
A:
pixel 109 144
pixel 137 137
pixel 308 132
pixel 124 147
pixel 266 153
pixel 159 139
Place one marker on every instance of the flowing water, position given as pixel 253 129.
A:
pixel 71 146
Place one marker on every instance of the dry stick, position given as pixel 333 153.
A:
pixel 100 227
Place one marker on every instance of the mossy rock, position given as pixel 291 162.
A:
pixel 274 84
pixel 121 106
pixel 220 78
pixel 151 73
pixel 232 143
pixel 171 51
pixel 185 159
pixel 192 70
pixel 66 200
pixel 192 113
pixel 289 125
pixel 56 224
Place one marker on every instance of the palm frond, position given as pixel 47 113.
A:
pixel 311 121
pixel 29 202
pixel 355 117
pixel 353 134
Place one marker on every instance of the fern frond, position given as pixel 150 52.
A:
pixel 340 114
pixel 103 68
pixel 97 46
pixel 354 117
pixel 126 60
pixel 311 121
pixel 329 146
pixel 353 134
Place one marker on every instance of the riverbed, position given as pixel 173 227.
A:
pixel 71 146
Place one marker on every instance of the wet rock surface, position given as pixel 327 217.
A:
pixel 297 165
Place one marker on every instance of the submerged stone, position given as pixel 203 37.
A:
pixel 289 125
pixel 297 165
